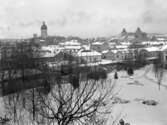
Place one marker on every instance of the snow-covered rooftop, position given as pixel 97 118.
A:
pixel 47 48
pixel 97 43
pixel 154 42
pixel 125 43
pixel 89 53
pixel 47 55
pixel 71 43
pixel 161 39
pixel 72 47
pixel 151 49
pixel 105 51
pixel 163 48
pixel 114 51
pixel 121 46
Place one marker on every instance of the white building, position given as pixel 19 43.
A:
pixel 149 52
pixel 71 47
pixel 118 54
pixel 49 51
pixel 89 56
pixel 154 43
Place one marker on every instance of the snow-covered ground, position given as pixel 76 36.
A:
pixel 142 86
pixel 145 88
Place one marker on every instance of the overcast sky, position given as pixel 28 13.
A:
pixel 84 18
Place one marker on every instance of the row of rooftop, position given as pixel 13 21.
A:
pixel 116 48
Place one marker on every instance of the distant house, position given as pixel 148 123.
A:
pixel 113 55
pixel 121 46
pixel 142 54
pixel 129 54
pixel 108 54
pixel 154 43
pixel 112 44
pixel 149 52
pixel 123 54
pixel 90 56
pixel 71 47
pixel 63 58
pixel 118 54
pixel 99 46
pixel 49 50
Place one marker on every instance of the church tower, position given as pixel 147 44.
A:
pixel 44 33
pixel 124 32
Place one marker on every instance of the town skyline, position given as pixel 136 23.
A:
pixel 96 18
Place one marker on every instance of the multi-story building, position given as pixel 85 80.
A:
pixel 89 56
pixel 71 47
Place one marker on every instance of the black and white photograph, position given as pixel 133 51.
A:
pixel 83 62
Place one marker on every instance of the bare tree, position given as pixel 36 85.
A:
pixel 14 109
pixel 18 67
pixel 67 105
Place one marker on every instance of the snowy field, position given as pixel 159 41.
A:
pixel 143 86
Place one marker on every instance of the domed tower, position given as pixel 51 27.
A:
pixel 44 33
pixel 124 32
pixel 138 31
